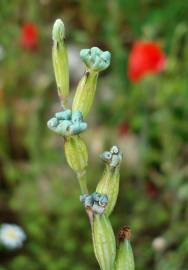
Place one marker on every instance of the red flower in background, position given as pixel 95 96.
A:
pixel 145 57
pixel 123 129
pixel 151 190
pixel 29 36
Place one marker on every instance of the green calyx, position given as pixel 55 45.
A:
pixel 109 185
pixel 58 31
pixel 96 202
pixel 76 153
pixel 85 93
pixel 104 242
pixel 125 257
pixel 67 123
pixel 95 59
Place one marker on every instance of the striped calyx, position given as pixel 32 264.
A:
pixel 109 183
pixel 85 93
pixel 125 257
pixel 76 153
pixel 60 60
pixel 67 123
pixel 104 242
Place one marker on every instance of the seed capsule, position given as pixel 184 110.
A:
pixel 125 257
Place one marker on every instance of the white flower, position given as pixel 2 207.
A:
pixel 12 236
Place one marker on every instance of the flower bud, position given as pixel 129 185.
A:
pixel 95 61
pixel 60 60
pixel 58 31
pixel 109 183
pixel 76 153
pixel 104 242
pixel 67 123
pixel 96 202
pixel 125 257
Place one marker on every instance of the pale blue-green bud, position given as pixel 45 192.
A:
pixel 58 31
pixel 64 115
pixel 112 157
pixel 96 202
pixel 95 59
pixel 67 123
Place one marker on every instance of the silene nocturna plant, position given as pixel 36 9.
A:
pixel 70 123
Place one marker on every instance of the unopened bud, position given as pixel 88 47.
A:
pixel 95 59
pixel 96 202
pixel 58 32
pixel 60 60
pixel 125 257
pixel 66 123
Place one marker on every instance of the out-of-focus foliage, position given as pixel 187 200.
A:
pixel 37 189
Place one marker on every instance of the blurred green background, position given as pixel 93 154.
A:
pixel 148 120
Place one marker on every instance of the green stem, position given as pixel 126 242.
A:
pixel 82 178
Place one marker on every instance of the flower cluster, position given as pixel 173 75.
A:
pixel 112 157
pixel 96 201
pixel 67 123
pixel 95 59
pixel 12 236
